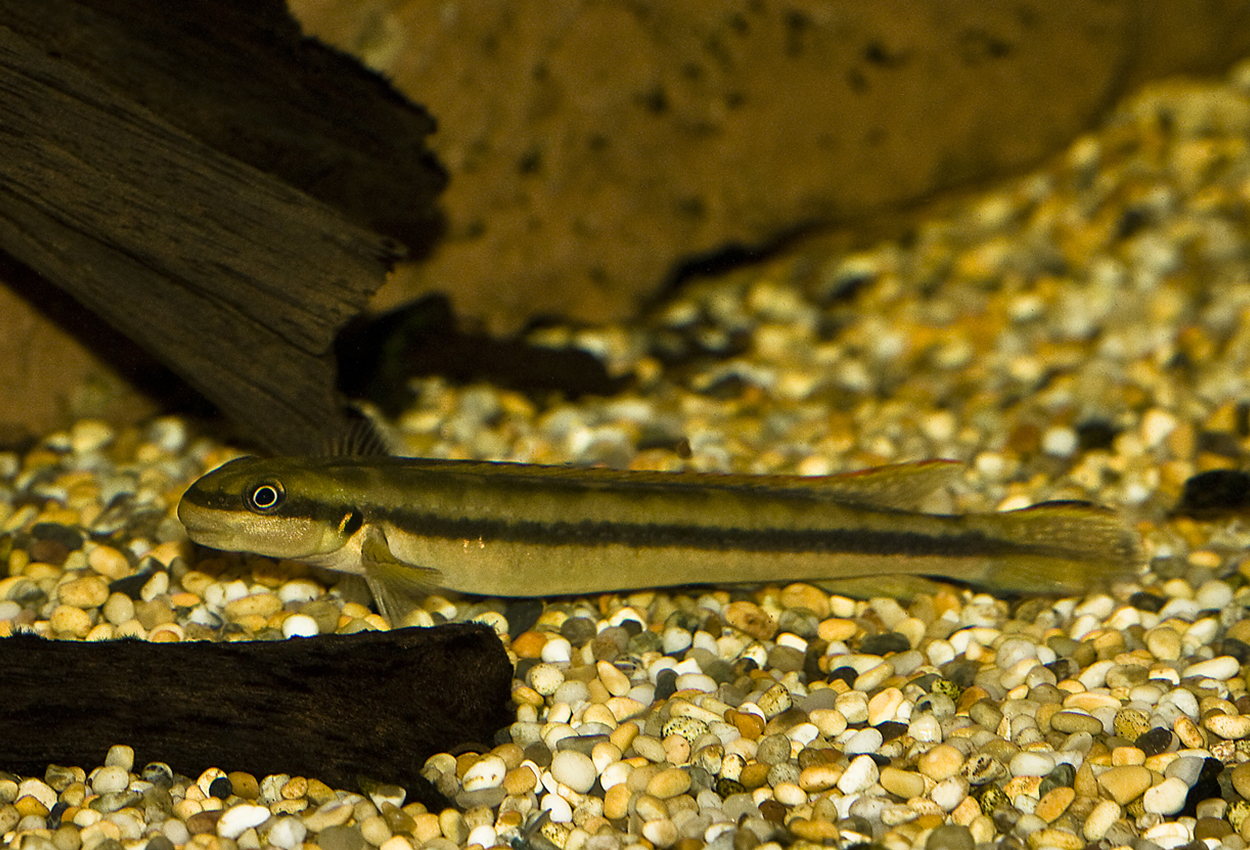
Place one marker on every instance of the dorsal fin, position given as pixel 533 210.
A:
pixel 895 486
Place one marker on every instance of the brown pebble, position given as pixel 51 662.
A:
pixel 802 595
pixel 754 775
pixel 204 823
pixel 244 784
pixel 752 619
pixel 773 811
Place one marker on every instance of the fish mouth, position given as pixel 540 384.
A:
pixel 205 527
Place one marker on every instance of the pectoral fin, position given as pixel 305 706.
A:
pixel 397 586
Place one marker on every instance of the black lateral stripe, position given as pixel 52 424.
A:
pixel 963 544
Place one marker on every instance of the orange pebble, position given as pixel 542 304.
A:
pixel 529 644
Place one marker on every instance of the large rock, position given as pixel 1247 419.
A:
pixel 596 146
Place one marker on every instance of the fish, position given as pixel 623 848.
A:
pixel 495 528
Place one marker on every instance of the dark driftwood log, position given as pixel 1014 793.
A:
pixel 337 707
pixel 161 163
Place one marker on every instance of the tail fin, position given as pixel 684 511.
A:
pixel 1067 547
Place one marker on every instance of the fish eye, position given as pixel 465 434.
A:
pixel 265 497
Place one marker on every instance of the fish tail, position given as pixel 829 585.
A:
pixel 1060 547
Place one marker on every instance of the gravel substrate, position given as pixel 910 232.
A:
pixel 1083 332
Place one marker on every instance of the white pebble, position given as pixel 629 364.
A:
pixel 299 625
pixel 1213 595
pixel 545 678
pixel 486 772
pixel 122 756
pixel 1221 667
pixel 561 811
pixel 696 682
pixel 859 776
pixel 557 650
pixel 287 833
pixel 482 836
pixel 1060 441
pixel 237 819
pixel 1166 798
pixel 676 640
pixel 573 769
pixel 298 590
pixel 109 779
pixel 949 793
pixel 864 741
pixel 1031 764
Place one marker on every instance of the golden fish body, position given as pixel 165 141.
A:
pixel 511 529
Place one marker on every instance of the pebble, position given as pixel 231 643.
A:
pixel 574 769
pixel 237 819
pixel 1126 783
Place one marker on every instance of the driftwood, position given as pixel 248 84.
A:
pixel 214 186
pixel 337 707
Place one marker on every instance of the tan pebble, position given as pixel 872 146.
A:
pixel 529 644
pixel 820 832
pixel 1127 755
pixel 1164 643
pixel 294 788
pixel 1019 786
pixel 108 562
pixel 690 728
pixel 1051 836
pixel 1188 733
pixel 1131 723
pixel 902 783
pixel 1126 783
pixel 70 620
pixel 836 629
pixel 252 605
pixel 1089 701
pixel 613 679
pixel 802 595
pixel 884 705
pixel 451 824
pixel 425 827
pixel 622 737
pixel 1055 803
pixel 775 700
pixel 1100 819
pixel 964 813
pixel 118 608
pixel 520 780
pixel 1230 727
pixel 661 832
pixel 597 713
pixel 86 592
pixel 1241 779
pixel 616 802
pixel 1071 722
pixel 789 794
pixel 624 707
pixel 375 830
pixel 545 678
pixel 676 749
pixel 820 777
pixel 750 618
pixel 829 721
pixel 941 762
pixel 669 783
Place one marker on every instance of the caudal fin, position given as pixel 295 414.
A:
pixel 1062 547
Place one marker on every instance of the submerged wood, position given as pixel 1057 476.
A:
pixel 203 179
pixel 336 707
